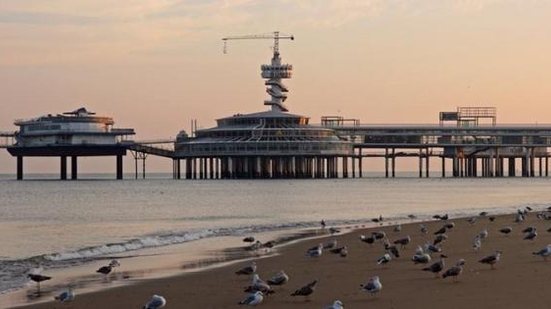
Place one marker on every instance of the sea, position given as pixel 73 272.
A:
pixel 51 224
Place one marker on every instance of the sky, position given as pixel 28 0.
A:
pixel 154 65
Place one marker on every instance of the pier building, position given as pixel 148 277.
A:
pixel 71 134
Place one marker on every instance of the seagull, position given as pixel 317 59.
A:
pixel 483 213
pixel 66 296
pixel 373 285
pixel 472 220
pixel 422 258
pixel 322 223
pixel 384 259
pixel 105 270
pixel 519 218
pixel 454 271
pixel 531 236
pixel 392 249
pixel 412 216
pixel 258 284
pixel 38 278
pixel 403 241
pixel 529 229
pixel 432 248
pixel 247 270
pixel 367 239
pixel 442 230
pixel 315 251
pixel 334 230
pixel 114 263
pixel 344 252
pixel 253 299
pixel 492 218
pixel 338 250
pixel 440 238
pixel 331 244
pixel 483 234
pixel 306 290
pixel 379 235
pixel 436 267
pixel 491 259
pixel 506 230
pixel 248 239
pixel 449 225
pixel 336 305
pixel 545 252
pixel 155 302
pixel 279 279
pixel 477 243
pixel 398 228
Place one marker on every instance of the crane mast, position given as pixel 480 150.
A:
pixel 274 72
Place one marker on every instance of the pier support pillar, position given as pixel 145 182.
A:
pixel 360 170
pixel 443 166
pixel 393 163
pixel 119 167
pixel 540 167
pixel 427 162
pixel 19 167
pixel 421 163
pixel 386 162
pixel 511 168
pixel 546 166
pixel 74 168
pixel 63 166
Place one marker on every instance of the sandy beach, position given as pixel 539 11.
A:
pixel 520 279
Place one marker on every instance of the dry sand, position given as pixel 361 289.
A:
pixel 520 280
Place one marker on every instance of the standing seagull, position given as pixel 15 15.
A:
pixel 155 302
pixel 491 259
pixel 253 299
pixel 454 271
pixel 436 267
pixel 384 259
pixel 477 243
pixel 373 285
pixel 403 241
pixel 105 270
pixel 38 278
pixel 279 279
pixel 531 235
pixel 66 296
pixel 544 253
pixel 306 290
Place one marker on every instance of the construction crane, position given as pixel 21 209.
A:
pixel 276 36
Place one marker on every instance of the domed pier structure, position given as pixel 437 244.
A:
pixel 269 144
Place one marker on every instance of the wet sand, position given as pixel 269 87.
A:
pixel 520 280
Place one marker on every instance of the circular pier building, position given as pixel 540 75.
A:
pixel 269 144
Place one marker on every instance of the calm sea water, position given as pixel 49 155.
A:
pixel 59 224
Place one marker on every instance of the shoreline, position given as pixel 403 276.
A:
pixel 398 278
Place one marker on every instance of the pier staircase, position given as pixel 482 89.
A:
pixel 161 148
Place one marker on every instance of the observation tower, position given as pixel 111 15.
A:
pixel 267 144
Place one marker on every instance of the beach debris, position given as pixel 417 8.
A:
pixel 65 296
pixel 38 278
pixel 423 228
pixel 398 228
pixel 384 259
pixel 531 235
pixel 331 244
pixel 491 259
pixel 258 284
pixel 436 267
pixel 247 270
pixel 315 251
pixel 506 230
pixel 440 238
pixel 306 290
pixel 155 302
pixel 248 239
pixel 367 239
pixel 403 241
pixel 253 299
pixel 279 279
pixel 544 253
pixel 373 285
pixel 336 305
pixel 455 271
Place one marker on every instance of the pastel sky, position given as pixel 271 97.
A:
pixel 155 64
